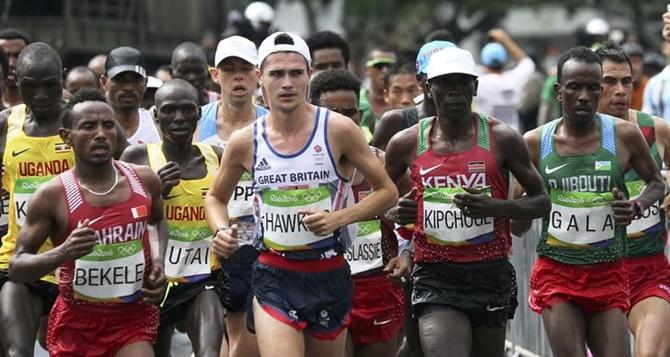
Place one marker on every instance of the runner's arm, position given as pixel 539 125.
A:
pixel 390 123
pixel 136 154
pixel 663 138
pixel 157 224
pixel 640 160
pixel 520 226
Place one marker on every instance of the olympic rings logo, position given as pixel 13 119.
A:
pixel 364 229
pixel 312 197
pixel 125 250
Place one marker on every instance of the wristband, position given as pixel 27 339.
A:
pixel 637 205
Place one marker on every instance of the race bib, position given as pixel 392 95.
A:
pixel 110 273
pixel 580 217
pixel 365 253
pixel 188 254
pixel 283 229
pixel 240 204
pixel 24 189
pixel 445 224
pixel 650 217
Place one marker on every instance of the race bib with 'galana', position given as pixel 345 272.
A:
pixel 365 253
pixel 187 257
pixel 110 273
pixel 650 217
pixel 445 224
pixel 580 218
pixel 281 218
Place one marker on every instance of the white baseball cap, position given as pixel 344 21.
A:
pixel 236 46
pixel 451 60
pixel 269 47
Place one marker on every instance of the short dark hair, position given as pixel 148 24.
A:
pixel 84 95
pixel 13 34
pixel 614 54
pixel 284 39
pixel 329 39
pixel 330 81
pixel 399 68
pixel 83 69
pixel 4 63
pixel 579 54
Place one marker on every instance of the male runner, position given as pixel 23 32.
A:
pixel 80 77
pixel 189 63
pixel 98 216
pixel 196 293
pixel 299 155
pixel 12 41
pixel 372 101
pixel 649 270
pixel 579 283
pixel 328 50
pixel 32 153
pixel 401 86
pixel 378 306
pixel 235 71
pixel 124 82
pixel 464 286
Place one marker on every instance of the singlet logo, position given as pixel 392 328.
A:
pixel 423 171
pixel 603 165
pixel 263 165
pixel 549 171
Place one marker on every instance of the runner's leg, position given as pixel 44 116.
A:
pixel 136 349
pixel 204 324
pixel 411 344
pixel 387 348
pixel 648 320
pixel 607 333
pixel 488 341
pixel 242 342
pixel 164 340
pixel 566 330
pixel 445 332
pixel 20 309
pixel 276 338
pixel 317 347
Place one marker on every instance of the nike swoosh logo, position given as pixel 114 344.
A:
pixel 17 153
pixel 495 308
pixel 548 171
pixel 379 323
pixel 173 196
pixel 423 171
pixel 95 220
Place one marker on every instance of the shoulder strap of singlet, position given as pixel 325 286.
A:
pixel 73 197
pixel 156 157
pixel 134 180
pixel 483 138
pixel 211 159
pixel 546 138
pixel 17 116
pixel 644 119
pixel 607 132
pixel 424 135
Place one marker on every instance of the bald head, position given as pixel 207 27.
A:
pixel 176 88
pixel 190 51
pixel 39 56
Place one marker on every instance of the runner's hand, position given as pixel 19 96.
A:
pixel 665 204
pixel 321 223
pixel 405 211
pixel 476 204
pixel 225 242
pixel 398 268
pixel 154 286
pixel 623 209
pixel 169 176
pixel 80 242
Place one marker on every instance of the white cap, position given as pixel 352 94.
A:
pixel 597 26
pixel 258 12
pixel 451 60
pixel 153 82
pixel 269 47
pixel 236 46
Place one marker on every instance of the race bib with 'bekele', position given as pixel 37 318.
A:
pixel 281 218
pixel 445 224
pixel 110 273
pixel 24 189
pixel 580 218
pixel 650 217
pixel 187 258
pixel 365 253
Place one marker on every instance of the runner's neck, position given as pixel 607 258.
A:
pixel 289 123
pixel 129 121
pixel 577 131
pixel 179 152
pixel 454 129
pixel 95 176
pixel 231 113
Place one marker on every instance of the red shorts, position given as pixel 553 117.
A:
pixel 378 309
pixel 649 276
pixel 594 288
pixel 85 330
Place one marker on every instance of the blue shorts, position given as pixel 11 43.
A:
pixel 238 269
pixel 314 296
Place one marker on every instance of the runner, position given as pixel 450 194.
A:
pixel 372 101
pixel 98 215
pixel 579 283
pixel 301 285
pixel 401 86
pixel 189 63
pixel 235 71
pixel 378 306
pixel 33 152
pixel 464 286
pixel 12 41
pixel 80 77
pixel 197 285
pixel 328 50
pixel 649 270
pixel 124 82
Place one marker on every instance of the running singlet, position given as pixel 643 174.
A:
pixel 188 257
pixel 442 232
pixel 647 235
pixel 29 161
pixel 375 242
pixel 580 227
pixel 115 270
pixel 285 185
pixel 207 124
pixel 146 130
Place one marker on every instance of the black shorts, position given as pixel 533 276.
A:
pixel 238 269
pixel 180 296
pixel 316 302
pixel 47 292
pixel 486 292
